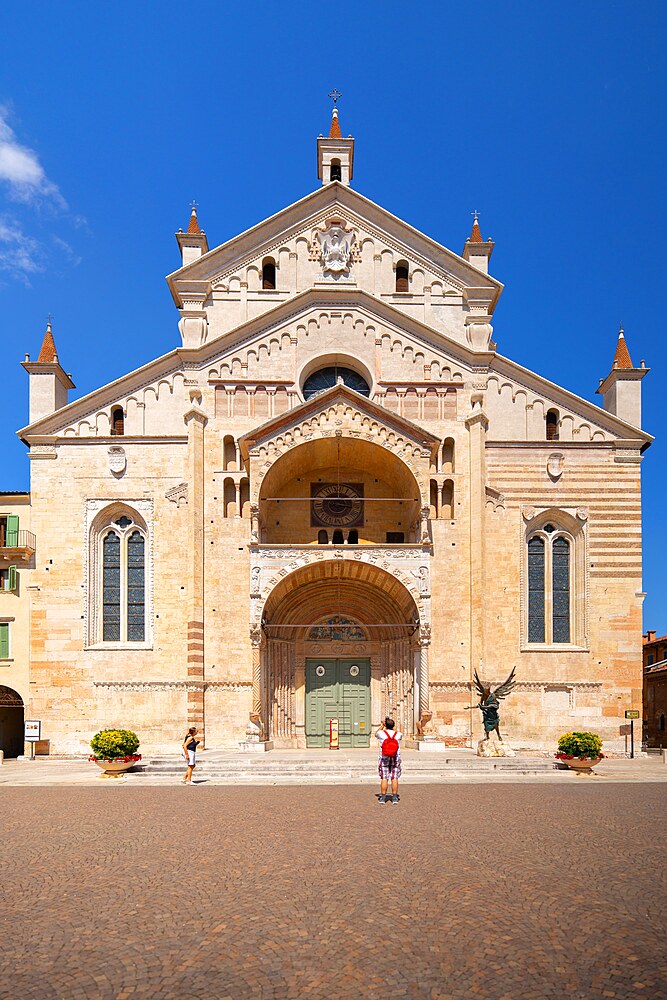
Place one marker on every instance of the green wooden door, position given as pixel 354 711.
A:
pixel 339 689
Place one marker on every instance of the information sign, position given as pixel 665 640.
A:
pixel 333 734
pixel 32 730
pixel 632 713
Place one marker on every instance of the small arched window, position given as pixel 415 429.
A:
pixel 117 421
pixel 322 537
pixel 338 537
pixel 402 277
pixel 268 273
pixel 336 174
pixel 552 425
pixel 662 723
pixel 353 537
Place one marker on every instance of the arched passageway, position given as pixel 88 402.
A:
pixel 339 485
pixel 11 722
pixel 339 641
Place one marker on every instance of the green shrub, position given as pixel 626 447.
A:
pixel 579 745
pixel 111 743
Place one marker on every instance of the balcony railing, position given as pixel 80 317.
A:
pixel 17 544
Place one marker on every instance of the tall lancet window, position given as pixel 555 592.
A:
pixel 550 589
pixel 117 578
pixel 136 588
pixel 111 587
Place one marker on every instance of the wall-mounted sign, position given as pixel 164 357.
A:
pixel 32 730
pixel 319 670
pixel 632 713
pixel 336 505
pixel 354 670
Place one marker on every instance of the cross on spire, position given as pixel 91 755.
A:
pixel 49 319
pixel 194 205
pixel 335 95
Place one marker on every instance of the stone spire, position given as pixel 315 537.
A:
pixel 477 250
pixel 335 155
pixel 192 244
pixel 621 390
pixel 49 382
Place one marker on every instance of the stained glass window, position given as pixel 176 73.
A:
pixel 560 559
pixel 111 588
pixel 136 630
pixel 326 377
pixel 536 590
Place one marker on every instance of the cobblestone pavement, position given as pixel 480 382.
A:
pixel 516 892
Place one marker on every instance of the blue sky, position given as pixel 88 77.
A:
pixel 548 118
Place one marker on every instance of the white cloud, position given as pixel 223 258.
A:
pixel 20 255
pixel 21 170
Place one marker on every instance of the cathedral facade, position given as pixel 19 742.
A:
pixel 335 499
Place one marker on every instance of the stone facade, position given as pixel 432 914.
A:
pixel 204 467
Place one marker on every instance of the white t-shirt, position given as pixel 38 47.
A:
pixel 381 735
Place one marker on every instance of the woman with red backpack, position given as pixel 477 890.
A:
pixel 389 764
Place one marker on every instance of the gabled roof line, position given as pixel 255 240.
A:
pixel 597 413
pixel 343 195
pixel 282 313
pixel 325 398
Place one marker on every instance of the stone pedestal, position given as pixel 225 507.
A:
pixel 494 748
pixel 261 746
pixel 426 745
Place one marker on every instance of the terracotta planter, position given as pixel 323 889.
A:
pixel 114 768
pixel 582 765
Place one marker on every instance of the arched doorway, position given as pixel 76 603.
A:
pixel 11 722
pixel 339 641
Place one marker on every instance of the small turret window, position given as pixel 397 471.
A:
pixel 268 273
pixel 336 174
pixel 552 425
pixel 402 277
pixel 117 422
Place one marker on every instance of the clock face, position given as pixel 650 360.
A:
pixel 337 505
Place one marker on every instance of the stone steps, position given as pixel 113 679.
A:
pixel 266 769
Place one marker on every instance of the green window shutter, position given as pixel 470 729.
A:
pixel 4 640
pixel 12 530
pixel 11 578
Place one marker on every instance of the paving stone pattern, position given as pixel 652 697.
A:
pixel 228 893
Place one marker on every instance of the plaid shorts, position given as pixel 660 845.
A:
pixel 389 767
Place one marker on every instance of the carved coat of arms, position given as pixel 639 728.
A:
pixel 335 246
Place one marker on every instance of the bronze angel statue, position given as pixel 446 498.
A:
pixel 489 703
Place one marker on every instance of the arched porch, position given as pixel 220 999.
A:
pixel 340 639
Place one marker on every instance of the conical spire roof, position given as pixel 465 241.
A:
pixel 334 131
pixel 476 234
pixel 48 352
pixel 622 356
pixel 193 225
